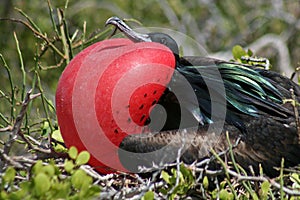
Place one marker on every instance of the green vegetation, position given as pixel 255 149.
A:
pixel 50 181
pixel 39 39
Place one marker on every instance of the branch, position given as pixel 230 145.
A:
pixel 273 40
pixel 241 178
pixel 16 129
pixel 278 42
pixel 36 33
pixel 8 128
pixel 6 158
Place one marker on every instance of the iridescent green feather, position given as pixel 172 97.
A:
pixel 245 87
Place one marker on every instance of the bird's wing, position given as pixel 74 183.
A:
pixel 282 83
pixel 266 142
pixel 247 91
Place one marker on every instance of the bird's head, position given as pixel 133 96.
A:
pixel 134 36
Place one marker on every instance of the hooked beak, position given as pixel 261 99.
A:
pixel 124 28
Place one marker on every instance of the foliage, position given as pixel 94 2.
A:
pixel 49 181
pixel 36 44
pixel 247 57
pixel 33 160
pixel 178 183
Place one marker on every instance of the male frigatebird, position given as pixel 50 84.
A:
pixel 253 101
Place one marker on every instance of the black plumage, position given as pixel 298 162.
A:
pixel 254 111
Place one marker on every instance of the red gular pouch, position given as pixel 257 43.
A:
pixel 107 92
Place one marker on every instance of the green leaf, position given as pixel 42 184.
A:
pixel 165 176
pixel 148 196
pixel 45 125
pixel 185 171
pixel 3 195
pixel 249 52
pixel 77 178
pixel 265 186
pixel 23 173
pixel 46 128
pixel 9 175
pixel 86 183
pixel 25 187
pixel 187 174
pixel 238 52
pixel 57 136
pixel 22 192
pixel 61 190
pixel 172 178
pixel 224 195
pixel 94 190
pixel 82 158
pixel 41 184
pixel 295 177
pixel 37 167
pixel 16 195
pixel 205 182
pixel 163 191
pixel 59 148
pixel 48 170
pixel 223 184
pixel 73 152
pixel 69 165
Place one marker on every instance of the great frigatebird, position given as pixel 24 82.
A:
pixel 253 99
